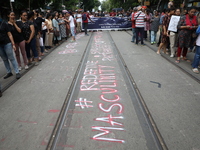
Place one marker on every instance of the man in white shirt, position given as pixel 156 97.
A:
pixel 72 25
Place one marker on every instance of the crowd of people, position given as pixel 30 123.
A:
pixel 176 42
pixel 34 33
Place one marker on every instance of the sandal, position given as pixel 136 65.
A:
pixel 177 61
pixel 185 59
pixel 158 53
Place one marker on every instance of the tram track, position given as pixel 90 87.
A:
pixel 141 107
pixel 189 73
pixel 60 121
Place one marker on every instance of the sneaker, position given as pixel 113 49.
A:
pixel 154 42
pixel 143 44
pixel 18 75
pixel 151 43
pixel 195 70
pixel 8 75
pixel 46 51
pixel 39 58
pixel 172 55
pixel 132 41
pixel 86 34
pixel 36 63
pixel 20 68
pixel 26 67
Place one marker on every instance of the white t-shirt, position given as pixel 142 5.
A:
pixel 79 19
pixel 44 27
pixel 71 19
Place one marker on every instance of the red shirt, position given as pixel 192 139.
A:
pixel 112 14
pixel 86 21
pixel 132 19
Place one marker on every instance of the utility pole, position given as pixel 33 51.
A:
pixel 11 6
pixel 158 4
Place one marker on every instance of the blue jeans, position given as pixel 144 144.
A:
pixel 6 53
pixel 134 35
pixel 153 36
pixel 31 46
pixel 73 31
pixel 139 32
pixel 196 60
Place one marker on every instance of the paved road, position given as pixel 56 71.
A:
pixel 96 118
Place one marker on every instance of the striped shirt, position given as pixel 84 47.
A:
pixel 139 19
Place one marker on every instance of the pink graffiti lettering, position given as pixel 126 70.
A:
pixel 120 108
pixel 117 98
pixel 113 85
pixel 105 131
pixel 108 90
pixel 109 119
pixel 83 103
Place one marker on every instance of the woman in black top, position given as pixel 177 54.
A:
pixel 7 45
pixel 38 20
pixel 15 29
pixel 29 33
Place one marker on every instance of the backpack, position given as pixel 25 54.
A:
pixel 84 17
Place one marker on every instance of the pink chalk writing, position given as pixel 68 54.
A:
pixel 105 131
pixel 83 103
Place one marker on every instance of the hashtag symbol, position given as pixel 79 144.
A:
pixel 83 103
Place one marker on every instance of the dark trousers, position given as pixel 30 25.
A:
pixel 31 46
pixel 139 32
pixel 44 35
pixel 85 25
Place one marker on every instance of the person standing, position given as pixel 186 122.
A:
pixel 7 45
pixel 79 22
pixel 173 36
pixel 49 33
pixel 140 18
pixel 15 29
pixel 38 21
pixel 57 35
pixel 147 25
pixel 62 25
pixel 165 38
pixel 85 17
pixel 133 24
pixel 196 60
pixel 186 27
pixel 28 32
pixel 113 13
pixel 72 25
pixel 155 22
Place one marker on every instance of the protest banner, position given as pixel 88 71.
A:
pixel 109 23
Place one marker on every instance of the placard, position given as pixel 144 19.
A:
pixel 173 23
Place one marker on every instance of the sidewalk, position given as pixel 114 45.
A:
pixel 185 66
